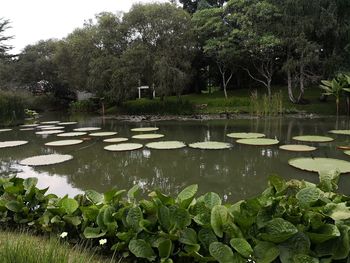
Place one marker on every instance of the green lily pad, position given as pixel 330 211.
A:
pixel 44 126
pixel 5 130
pixel 320 164
pixel 68 123
pixel 148 136
pixel 245 135
pixel 116 140
pixel 71 134
pixel 49 132
pixel 102 134
pixel 29 125
pixel 52 128
pixel 7 144
pixel 210 145
pixel 27 129
pixel 63 142
pixel 347 152
pixel 341 132
pixel 258 141
pixel 313 138
pixel 297 148
pixel 48 159
pixel 166 145
pixel 123 147
pixel 49 122
pixel 145 129
pixel 85 129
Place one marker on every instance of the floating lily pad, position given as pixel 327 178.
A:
pixel 258 141
pixel 68 123
pixel 166 145
pixel 27 129
pixel 341 132
pixel 148 136
pixel 297 148
pixel 53 128
pixel 245 135
pixel 5 130
pixel 145 129
pixel 102 134
pixel 116 140
pixel 71 134
pixel 44 126
pixel 313 138
pixel 29 125
pixel 49 132
pixel 320 164
pixel 49 122
pixel 85 129
pixel 347 152
pixel 48 159
pixel 211 145
pixel 63 143
pixel 7 144
pixel 123 147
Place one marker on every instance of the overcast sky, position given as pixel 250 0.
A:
pixel 34 20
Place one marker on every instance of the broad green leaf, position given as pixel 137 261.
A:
pixel 298 244
pixel 342 244
pixel 93 232
pixel 14 206
pixel 94 197
pixel 221 252
pixel 328 180
pixel 141 249
pixel 164 217
pixel 206 237
pixel 188 236
pixel 134 217
pixel 300 258
pixel 219 217
pixel 241 246
pixel 308 196
pixel 338 211
pixel 30 182
pixel 324 233
pixel 165 248
pixel 133 192
pixel 180 217
pixel 73 220
pixel 266 252
pixel 278 230
pixel 186 196
pixel 211 199
pixel 278 183
pixel 69 205
pixel 89 212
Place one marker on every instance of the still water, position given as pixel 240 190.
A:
pixel 236 173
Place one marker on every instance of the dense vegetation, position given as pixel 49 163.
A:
pixel 188 47
pixel 293 221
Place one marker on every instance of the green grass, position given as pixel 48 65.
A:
pixel 21 247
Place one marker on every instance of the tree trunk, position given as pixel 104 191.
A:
pixel 268 86
pixel 337 102
pixel 301 84
pixel 290 86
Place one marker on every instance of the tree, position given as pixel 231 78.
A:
pixel 192 6
pixel 4 47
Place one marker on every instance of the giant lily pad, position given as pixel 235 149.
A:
pixel 49 122
pixel 148 136
pixel 320 164
pixel 211 145
pixel 5 130
pixel 347 152
pixel 297 148
pixel 116 140
pixel 123 147
pixel 71 134
pixel 341 132
pixel 245 135
pixel 27 129
pixel 68 123
pixel 52 128
pixel 63 142
pixel 49 132
pixel 48 159
pixel 313 138
pixel 258 141
pixel 44 126
pixel 102 134
pixel 29 125
pixel 7 144
pixel 85 129
pixel 145 129
pixel 166 145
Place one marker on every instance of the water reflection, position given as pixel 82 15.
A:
pixel 236 173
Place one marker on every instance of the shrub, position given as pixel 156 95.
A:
pixel 293 221
pixel 167 106
pixel 83 106
pixel 11 109
pixel 266 106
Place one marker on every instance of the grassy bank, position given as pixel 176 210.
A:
pixel 22 247
pixel 239 101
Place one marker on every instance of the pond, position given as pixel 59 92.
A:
pixel 235 173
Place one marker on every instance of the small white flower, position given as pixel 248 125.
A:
pixel 103 241
pixel 64 234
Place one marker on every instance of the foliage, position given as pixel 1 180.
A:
pixel 11 109
pixel 83 106
pixel 265 105
pixel 167 106
pixel 288 222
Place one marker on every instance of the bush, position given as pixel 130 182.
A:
pixel 83 106
pixel 11 109
pixel 156 106
pixel 266 106
pixel 293 221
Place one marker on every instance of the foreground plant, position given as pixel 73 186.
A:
pixel 293 221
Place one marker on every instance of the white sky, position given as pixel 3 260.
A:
pixel 34 20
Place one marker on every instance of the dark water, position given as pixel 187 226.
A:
pixel 237 173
